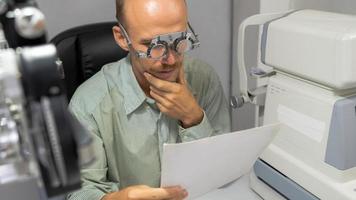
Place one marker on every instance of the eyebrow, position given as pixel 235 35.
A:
pixel 145 40
pixel 149 40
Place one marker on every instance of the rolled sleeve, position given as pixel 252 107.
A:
pixel 87 194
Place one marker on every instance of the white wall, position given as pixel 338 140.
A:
pixel 211 19
pixel 64 14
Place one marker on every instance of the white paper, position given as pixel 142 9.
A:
pixel 207 164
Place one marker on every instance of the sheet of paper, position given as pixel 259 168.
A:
pixel 206 164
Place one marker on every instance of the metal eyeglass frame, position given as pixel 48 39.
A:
pixel 185 35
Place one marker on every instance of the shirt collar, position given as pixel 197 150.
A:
pixel 133 94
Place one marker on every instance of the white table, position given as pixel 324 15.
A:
pixel 236 190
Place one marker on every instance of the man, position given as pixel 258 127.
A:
pixel 156 95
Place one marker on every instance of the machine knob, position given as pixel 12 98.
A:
pixel 236 102
pixel 29 22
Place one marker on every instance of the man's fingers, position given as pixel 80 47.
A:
pixel 160 193
pixel 157 97
pixel 159 92
pixel 160 99
pixel 152 194
pixel 162 108
pixel 181 76
pixel 176 192
pixel 165 86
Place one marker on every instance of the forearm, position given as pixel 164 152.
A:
pixel 111 196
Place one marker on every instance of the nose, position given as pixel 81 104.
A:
pixel 170 58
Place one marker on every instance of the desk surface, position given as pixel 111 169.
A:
pixel 238 189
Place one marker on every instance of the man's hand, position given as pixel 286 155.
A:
pixel 175 100
pixel 143 192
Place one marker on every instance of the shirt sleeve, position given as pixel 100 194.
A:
pixel 216 118
pixel 93 177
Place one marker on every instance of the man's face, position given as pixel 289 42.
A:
pixel 144 20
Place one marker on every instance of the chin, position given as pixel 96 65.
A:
pixel 171 77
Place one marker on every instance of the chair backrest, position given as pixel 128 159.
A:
pixel 84 50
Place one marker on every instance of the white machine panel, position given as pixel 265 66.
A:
pixel 316 45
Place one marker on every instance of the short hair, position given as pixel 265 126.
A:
pixel 120 10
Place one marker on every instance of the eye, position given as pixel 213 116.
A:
pixel 147 44
pixel 182 46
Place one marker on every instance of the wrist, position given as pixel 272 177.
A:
pixel 112 196
pixel 193 119
pixel 107 196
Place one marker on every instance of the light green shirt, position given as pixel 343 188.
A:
pixel 128 129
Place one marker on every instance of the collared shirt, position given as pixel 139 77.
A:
pixel 129 131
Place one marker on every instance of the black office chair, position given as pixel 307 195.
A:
pixel 84 50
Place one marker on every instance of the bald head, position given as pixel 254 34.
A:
pixel 135 10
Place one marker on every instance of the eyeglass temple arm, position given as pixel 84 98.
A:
pixel 125 34
pixel 191 28
pixel 196 42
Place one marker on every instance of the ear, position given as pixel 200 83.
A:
pixel 120 38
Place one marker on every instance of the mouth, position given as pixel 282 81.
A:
pixel 165 74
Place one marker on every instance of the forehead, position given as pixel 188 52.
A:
pixel 149 18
